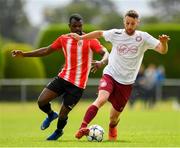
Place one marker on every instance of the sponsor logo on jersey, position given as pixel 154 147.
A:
pixel 123 49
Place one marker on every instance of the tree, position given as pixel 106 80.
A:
pixel 167 10
pixel 12 18
pixel 94 12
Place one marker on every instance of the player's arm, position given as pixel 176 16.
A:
pixel 105 54
pixel 36 53
pixel 98 64
pixel 162 47
pixel 91 35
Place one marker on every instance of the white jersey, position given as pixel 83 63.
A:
pixel 127 53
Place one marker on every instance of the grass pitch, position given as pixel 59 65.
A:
pixel 157 127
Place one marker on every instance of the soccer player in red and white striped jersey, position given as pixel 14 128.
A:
pixel 72 79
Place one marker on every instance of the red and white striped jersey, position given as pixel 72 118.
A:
pixel 78 56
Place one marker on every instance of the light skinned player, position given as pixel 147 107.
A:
pixel 72 79
pixel 128 48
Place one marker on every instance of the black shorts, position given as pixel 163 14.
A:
pixel 71 94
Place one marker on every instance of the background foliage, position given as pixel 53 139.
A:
pixel 1 63
pixel 13 19
pixel 21 67
pixel 166 10
pixel 94 12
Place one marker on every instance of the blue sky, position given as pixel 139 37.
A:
pixel 34 8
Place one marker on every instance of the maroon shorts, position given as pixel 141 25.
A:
pixel 119 93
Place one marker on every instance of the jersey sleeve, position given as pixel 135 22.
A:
pixel 57 44
pixel 95 45
pixel 108 34
pixel 150 41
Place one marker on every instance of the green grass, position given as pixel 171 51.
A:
pixel 157 127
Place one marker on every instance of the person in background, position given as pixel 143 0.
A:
pixel 128 48
pixel 72 79
pixel 160 78
pixel 138 87
pixel 150 79
pixel 160 74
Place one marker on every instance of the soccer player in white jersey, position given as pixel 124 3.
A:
pixel 128 48
pixel 72 79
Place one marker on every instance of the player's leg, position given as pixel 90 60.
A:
pixel 71 97
pixel 44 99
pixel 91 112
pixel 114 120
pixel 52 90
pixel 62 121
pixel 105 89
pixel 118 98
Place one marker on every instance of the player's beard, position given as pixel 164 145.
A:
pixel 130 31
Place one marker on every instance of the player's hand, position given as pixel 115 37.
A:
pixel 164 38
pixel 96 65
pixel 17 53
pixel 75 36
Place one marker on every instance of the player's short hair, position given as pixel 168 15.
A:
pixel 75 16
pixel 132 13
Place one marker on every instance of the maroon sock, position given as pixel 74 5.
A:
pixel 90 114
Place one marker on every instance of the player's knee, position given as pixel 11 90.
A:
pixel 100 102
pixel 101 99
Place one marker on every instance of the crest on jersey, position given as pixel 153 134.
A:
pixel 103 83
pixel 80 42
pixel 138 38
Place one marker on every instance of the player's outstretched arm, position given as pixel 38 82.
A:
pixel 36 53
pixel 91 35
pixel 163 46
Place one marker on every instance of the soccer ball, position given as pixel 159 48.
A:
pixel 96 133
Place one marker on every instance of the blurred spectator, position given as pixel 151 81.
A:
pixel 160 77
pixel 150 85
pixel 160 74
pixel 138 87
